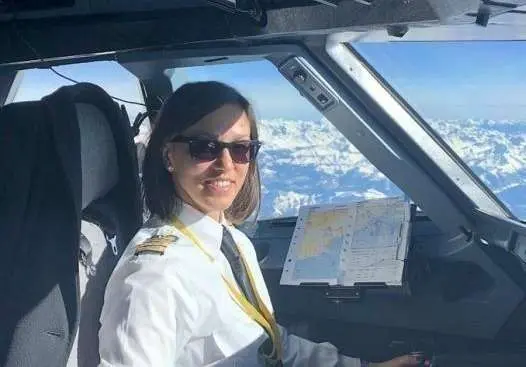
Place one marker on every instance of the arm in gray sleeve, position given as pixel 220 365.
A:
pixel 298 352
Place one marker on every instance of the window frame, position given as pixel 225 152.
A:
pixel 416 130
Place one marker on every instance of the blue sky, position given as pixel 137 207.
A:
pixel 271 94
pixel 447 80
pixel 455 80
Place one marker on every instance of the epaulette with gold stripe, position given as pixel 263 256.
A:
pixel 155 245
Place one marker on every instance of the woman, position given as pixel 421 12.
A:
pixel 188 290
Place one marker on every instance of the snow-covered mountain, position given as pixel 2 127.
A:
pixel 495 151
pixel 307 162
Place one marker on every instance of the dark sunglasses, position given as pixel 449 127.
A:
pixel 207 149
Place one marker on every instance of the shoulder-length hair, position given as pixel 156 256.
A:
pixel 185 107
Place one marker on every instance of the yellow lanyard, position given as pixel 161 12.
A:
pixel 264 318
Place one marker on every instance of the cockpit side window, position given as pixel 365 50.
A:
pixel 109 75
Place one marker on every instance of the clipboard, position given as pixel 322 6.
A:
pixel 345 250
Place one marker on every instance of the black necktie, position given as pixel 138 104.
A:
pixel 231 252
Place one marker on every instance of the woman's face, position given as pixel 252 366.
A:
pixel 211 186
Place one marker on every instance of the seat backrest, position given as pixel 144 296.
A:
pixel 68 156
pixel 118 213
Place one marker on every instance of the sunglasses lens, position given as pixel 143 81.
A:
pixel 205 150
pixel 241 152
pixel 208 150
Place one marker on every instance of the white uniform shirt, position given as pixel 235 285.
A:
pixel 175 310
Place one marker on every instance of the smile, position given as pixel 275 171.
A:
pixel 219 185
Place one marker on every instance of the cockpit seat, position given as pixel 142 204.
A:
pixel 67 157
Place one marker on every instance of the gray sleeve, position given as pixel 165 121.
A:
pixel 302 352
pixel 298 352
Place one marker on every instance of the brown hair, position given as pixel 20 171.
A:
pixel 185 107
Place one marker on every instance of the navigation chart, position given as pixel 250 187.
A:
pixel 348 244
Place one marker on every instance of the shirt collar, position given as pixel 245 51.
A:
pixel 206 229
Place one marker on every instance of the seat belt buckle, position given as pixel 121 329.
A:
pixel 86 255
pixel 112 242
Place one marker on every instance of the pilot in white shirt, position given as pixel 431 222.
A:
pixel 174 308
pixel 174 298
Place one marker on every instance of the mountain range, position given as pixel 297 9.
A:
pixel 311 162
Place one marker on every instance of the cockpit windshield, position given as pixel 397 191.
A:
pixel 473 95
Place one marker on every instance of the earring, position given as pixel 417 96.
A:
pixel 170 169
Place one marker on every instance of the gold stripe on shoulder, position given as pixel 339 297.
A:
pixel 156 244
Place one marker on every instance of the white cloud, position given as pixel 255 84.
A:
pixel 373 194
pixel 488 146
pixel 317 144
pixel 288 202
pixel 311 162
